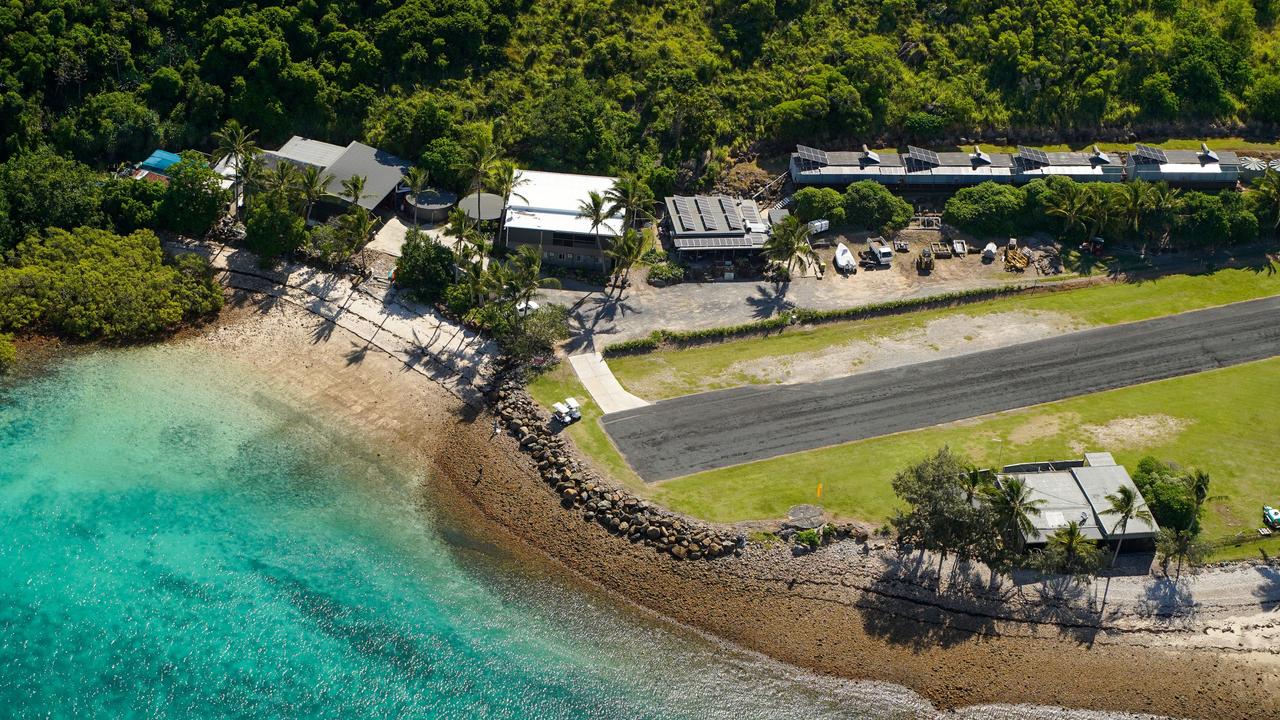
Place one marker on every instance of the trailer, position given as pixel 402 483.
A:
pixel 940 249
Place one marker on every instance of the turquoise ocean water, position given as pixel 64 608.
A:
pixel 176 542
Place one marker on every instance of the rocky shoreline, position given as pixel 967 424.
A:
pixel 580 488
pixel 849 609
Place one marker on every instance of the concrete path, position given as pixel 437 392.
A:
pixel 717 429
pixel 460 360
pixel 605 389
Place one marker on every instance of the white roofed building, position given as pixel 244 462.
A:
pixel 545 211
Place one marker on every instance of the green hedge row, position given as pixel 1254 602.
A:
pixel 801 316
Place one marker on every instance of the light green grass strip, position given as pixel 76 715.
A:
pixel 675 372
pixel 1224 422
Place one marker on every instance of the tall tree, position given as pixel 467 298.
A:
pixel 1135 202
pixel 519 278
pixel 596 210
pixel 1267 192
pixel 1072 204
pixel 626 251
pixel 353 189
pixel 1125 505
pixel 505 181
pixel 479 159
pixel 313 184
pixel 236 143
pixel 1014 508
pixel 1070 551
pixel 1164 209
pixel 788 245
pixel 417 180
pixel 633 198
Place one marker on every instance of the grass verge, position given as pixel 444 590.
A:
pixel 671 373
pixel 561 382
pixel 1222 421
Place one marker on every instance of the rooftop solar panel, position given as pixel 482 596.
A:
pixel 1034 155
pixel 1150 154
pixel 813 155
pixel 922 155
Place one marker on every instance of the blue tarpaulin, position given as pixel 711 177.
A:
pixel 159 161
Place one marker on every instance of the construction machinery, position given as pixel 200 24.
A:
pixel 924 261
pixel 1015 258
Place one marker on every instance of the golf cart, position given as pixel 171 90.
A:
pixel 575 410
pixel 567 412
pixel 1271 517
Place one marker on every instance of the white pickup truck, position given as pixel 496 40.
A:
pixel 879 252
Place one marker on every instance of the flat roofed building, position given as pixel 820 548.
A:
pixel 544 211
pixel 1077 490
pixel 1204 167
pixel 715 222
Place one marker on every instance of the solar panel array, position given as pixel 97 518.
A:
pixel 685 213
pixel 813 155
pixel 921 155
pixel 1150 154
pixel 730 213
pixel 1033 155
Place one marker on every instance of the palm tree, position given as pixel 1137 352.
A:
pixel 1075 553
pixel 353 189
pixel 520 278
pixel 1126 506
pixel 416 180
pixel 313 184
pixel 597 211
pixel 479 160
pixel 235 142
pixel 633 198
pixel 973 480
pixel 1134 201
pixel 1072 204
pixel 1164 208
pixel 1014 507
pixel 357 226
pixel 788 244
pixel 505 180
pixel 626 251
pixel 283 177
pixel 1268 189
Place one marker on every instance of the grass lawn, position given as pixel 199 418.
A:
pixel 670 373
pixel 561 382
pixel 1224 422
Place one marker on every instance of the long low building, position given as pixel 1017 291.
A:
pixel 1076 491
pixel 546 211
pixel 921 168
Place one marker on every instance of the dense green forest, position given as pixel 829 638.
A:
pixel 594 85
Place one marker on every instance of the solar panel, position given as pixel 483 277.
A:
pixel 731 214
pixel 1150 154
pixel 710 218
pixel 1034 155
pixel 921 155
pixel 813 155
pixel 686 215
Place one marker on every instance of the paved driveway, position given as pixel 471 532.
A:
pixel 711 430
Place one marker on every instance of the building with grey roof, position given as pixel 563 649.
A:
pixel 382 171
pixel 715 222
pixel 1077 490
pixel 1204 167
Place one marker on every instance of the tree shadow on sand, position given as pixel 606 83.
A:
pixel 1268 593
pixel 908 606
pixel 595 315
pixel 1167 600
pixel 767 302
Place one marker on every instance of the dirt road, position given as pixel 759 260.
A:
pixel 717 429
